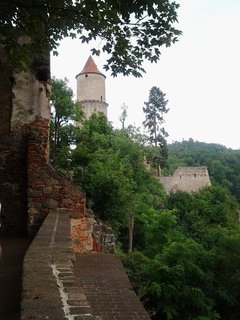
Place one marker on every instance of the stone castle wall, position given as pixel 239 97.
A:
pixel 186 179
pixel 93 106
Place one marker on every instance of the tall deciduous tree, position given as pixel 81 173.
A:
pixel 123 115
pixel 132 30
pixel 65 113
pixel 155 109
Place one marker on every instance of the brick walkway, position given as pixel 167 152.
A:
pixel 61 285
pixel 103 280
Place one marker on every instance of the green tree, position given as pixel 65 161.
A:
pixel 154 110
pixel 188 267
pixel 65 113
pixel 108 165
pixel 133 31
pixel 123 115
pixel 103 167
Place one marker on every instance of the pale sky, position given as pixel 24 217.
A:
pixel 200 75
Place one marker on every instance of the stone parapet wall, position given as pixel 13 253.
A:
pixel 60 284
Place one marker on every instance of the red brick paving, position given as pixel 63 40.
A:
pixel 103 280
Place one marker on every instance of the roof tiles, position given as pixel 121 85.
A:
pixel 90 67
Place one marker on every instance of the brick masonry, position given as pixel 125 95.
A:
pixel 90 234
pixel 107 288
pixel 47 188
pixel 59 284
pixel 49 287
pixel 13 182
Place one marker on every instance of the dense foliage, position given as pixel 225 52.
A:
pixel 64 115
pixel 129 31
pixel 181 251
pixel 189 265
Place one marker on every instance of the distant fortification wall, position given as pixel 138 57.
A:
pixel 186 179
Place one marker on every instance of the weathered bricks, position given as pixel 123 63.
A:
pixel 107 288
pixel 47 189
pixel 60 285
pixel 49 287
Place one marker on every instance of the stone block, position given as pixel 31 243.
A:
pixel 51 204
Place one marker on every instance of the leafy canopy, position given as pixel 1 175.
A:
pixel 65 113
pixel 130 31
pixel 188 266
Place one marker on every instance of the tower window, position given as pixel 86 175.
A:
pixel 86 75
pixel 101 98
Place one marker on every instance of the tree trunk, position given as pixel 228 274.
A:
pixel 130 233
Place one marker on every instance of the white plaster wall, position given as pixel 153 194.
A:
pixel 30 98
pixel 91 86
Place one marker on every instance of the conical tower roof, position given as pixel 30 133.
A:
pixel 90 67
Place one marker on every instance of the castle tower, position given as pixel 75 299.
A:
pixel 91 89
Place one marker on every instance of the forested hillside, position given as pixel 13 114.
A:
pixel 223 163
pixel 181 251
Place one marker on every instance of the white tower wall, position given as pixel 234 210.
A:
pixel 91 86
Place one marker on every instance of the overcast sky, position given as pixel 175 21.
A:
pixel 200 75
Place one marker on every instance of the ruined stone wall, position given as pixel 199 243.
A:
pixel 13 183
pixel 47 189
pixel 23 96
pixel 186 179
pixel 90 234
